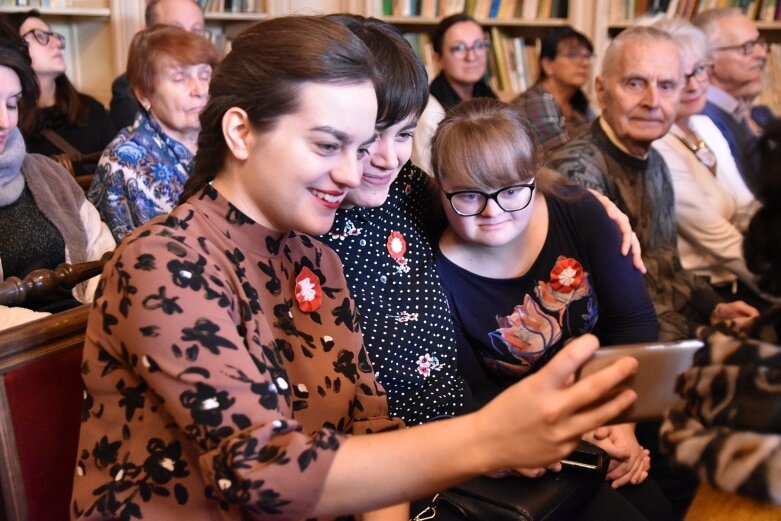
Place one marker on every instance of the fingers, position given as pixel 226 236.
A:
pixel 601 433
pixel 555 467
pixel 563 366
pixel 530 472
pixel 599 415
pixel 742 308
pixel 637 254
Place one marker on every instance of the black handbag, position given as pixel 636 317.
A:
pixel 555 496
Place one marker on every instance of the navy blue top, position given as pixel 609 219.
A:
pixel 579 283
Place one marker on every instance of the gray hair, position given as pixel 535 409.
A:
pixel 641 33
pixel 709 22
pixel 686 35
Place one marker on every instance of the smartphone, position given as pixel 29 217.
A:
pixel 659 364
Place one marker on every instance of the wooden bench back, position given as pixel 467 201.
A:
pixel 41 393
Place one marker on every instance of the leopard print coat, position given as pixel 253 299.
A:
pixel 727 428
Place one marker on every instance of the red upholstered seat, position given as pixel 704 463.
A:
pixel 40 413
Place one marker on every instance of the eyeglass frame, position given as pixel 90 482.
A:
pixel 492 196
pixel 745 48
pixel 47 36
pixel 706 67
pixel 480 47
pixel 576 55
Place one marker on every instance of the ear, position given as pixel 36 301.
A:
pixel 547 66
pixel 238 133
pixel 143 100
pixel 599 89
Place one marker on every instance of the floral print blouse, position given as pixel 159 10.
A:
pixel 223 367
pixel 388 258
pixel 579 283
pixel 140 175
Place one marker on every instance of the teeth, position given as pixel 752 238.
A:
pixel 328 198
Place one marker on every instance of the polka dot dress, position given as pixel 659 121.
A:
pixel 389 265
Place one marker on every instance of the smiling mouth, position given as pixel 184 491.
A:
pixel 331 200
pixel 377 180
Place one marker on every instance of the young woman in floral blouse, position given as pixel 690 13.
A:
pixel 224 367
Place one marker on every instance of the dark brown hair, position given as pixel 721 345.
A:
pixel 151 47
pixel 262 75
pixel 446 23
pixel 403 87
pixel 66 98
pixel 15 55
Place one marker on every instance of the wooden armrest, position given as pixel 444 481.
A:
pixel 15 291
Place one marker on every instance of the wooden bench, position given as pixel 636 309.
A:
pixel 41 393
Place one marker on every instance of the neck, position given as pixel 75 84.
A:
pixel 188 137
pixel 560 92
pixel 683 124
pixel 464 90
pixel 48 91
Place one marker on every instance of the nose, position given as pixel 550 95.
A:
pixel 348 171
pixel 383 154
pixel 198 87
pixel 5 117
pixel 651 95
pixel 491 208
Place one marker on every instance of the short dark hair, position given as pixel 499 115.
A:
pixel 15 55
pixel 403 87
pixel 268 64
pixel 446 23
pixel 153 44
pixel 550 44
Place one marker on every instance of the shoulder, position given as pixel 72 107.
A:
pixel 92 103
pixel 581 154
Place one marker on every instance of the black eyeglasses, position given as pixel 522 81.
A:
pixel 43 37
pixel 460 49
pixel 699 72
pixel 746 49
pixel 467 203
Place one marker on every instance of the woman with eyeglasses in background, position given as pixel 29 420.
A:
pixel 63 112
pixel 461 52
pixel 556 106
pixel 706 180
pixel 529 263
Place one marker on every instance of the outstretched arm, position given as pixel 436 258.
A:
pixel 510 431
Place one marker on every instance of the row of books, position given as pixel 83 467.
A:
pixel 771 94
pixel 481 9
pixel 760 10
pixel 513 63
pixel 231 6
pixel 52 3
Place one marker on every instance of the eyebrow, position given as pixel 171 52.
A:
pixel 338 134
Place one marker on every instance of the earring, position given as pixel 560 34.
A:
pixel 147 107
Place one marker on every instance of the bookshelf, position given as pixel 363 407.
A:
pixel 99 31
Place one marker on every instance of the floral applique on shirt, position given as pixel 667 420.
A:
pixel 534 326
pixel 349 230
pixel 404 316
pixel 428 363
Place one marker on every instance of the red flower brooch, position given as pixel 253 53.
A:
pixel 397 246
pixel 308 292
pixel 566 275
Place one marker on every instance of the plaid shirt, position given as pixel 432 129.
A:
pixel 543 113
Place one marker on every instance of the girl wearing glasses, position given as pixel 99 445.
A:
pixel 461 52
pixel 528 264
pixel 63 113
pixel 712 204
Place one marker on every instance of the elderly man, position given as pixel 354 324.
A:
pixel 639 90
pixel 186 14
pixel 739 56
